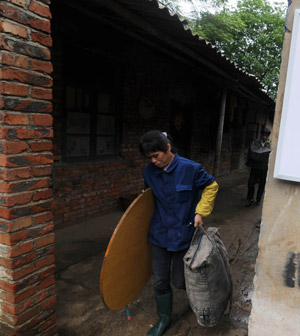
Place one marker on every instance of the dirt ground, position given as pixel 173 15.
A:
pixel 80 250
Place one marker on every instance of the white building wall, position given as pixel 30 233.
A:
pixel 276 298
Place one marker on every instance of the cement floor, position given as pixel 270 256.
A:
pixel 80 250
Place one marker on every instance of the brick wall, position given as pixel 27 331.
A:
pixel 27 284
pixel 85 189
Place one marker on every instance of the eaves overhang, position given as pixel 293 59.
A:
pixel 150 22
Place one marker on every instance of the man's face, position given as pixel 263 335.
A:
pixel 160 159
pixel 265 137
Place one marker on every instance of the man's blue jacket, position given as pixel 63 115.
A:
pixel 177 194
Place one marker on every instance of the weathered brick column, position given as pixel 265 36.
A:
pixel 27 284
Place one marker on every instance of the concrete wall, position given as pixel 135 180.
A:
pixel 276 298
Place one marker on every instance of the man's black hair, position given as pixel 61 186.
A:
pixel 153 141
pixel 266 131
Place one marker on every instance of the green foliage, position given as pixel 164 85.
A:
pixel 250 35
pixel 175 5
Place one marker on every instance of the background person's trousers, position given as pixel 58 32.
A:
pixel 256 176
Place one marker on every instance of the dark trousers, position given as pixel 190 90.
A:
pixel 256 176
pixel 167 266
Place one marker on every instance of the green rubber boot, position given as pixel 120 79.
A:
pixel 164 310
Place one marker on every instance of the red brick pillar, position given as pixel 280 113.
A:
pixel 27 284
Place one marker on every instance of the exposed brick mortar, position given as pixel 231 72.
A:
pixel 29 159
pixel 21 113
pixel 22 3
pixel 46 331
pixel 27 277
pixel 3 274
pixel 14 38
pixel 28 58
pixel 23 48
pixel 15 23
pixel 9 59
pixel 33 217
pixel 33 64
pixel 19 325
pixel 51 290
pixel 29 141
pixel 17 193
pixel 7 88
pixel 41 37
pixel 33 30
pixel 20 132
pixel 22 126
pixel 27 154
pixel 8 169
pixel 30 87
pixel 47 91
pixel 40 231
pixel 40 323
pixel 45 120
pixel 21 193
pixel 40 254
pixel 37 166
pixel 21 293
pixel 26 71
pixel 31 203
pixel 6 274
pixel 32 180
pixel 25 10
pixel 43 6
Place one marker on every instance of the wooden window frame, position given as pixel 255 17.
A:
pixel 94 90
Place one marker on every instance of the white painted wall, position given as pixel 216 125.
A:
pixel 276 298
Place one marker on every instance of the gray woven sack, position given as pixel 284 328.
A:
pixel 207 276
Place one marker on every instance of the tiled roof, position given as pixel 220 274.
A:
pixel 156 24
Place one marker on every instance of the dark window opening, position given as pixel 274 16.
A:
pixel 90 109
pixel 181 128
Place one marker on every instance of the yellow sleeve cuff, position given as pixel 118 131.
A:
pixel 206 203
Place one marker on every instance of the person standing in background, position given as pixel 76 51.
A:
pixel 257 159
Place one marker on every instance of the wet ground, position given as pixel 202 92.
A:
pixel 80 250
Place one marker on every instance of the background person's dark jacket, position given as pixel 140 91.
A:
pixel 258 154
